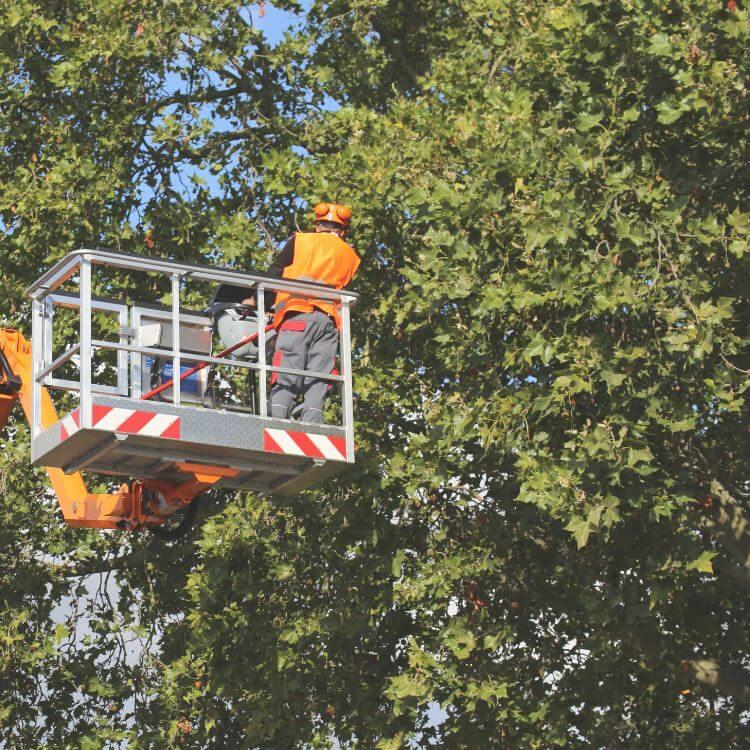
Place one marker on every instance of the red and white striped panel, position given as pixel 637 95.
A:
pixel 130 421
pixel 69 425
pixel 304 444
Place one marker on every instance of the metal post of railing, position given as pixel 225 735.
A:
pixel 261 308
pixel 48 313
pixel 123 357
pixel 176 363
pixel 347 396
pixel 85 355
pixel 37 363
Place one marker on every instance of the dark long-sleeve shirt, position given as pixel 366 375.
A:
pixel 283 259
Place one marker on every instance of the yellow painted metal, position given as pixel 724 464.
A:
pixel 206 473
pixel 79 507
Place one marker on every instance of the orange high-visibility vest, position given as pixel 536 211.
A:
pixel 322 257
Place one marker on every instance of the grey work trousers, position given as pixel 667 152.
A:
pixel 308 341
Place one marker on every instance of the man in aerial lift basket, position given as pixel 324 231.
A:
pixel 308 328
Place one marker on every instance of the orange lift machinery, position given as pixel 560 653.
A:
pixel 169 436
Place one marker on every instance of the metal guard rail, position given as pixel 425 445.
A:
pixel 82 262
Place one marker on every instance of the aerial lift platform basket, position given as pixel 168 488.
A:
pixel 172 439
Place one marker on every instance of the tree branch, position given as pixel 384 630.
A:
pixel 154 549
pixel 209 95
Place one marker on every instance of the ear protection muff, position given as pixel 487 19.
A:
pixel 333 212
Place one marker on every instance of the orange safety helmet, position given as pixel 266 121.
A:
pixel 333 212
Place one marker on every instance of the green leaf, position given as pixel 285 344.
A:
pixel 668 114
pixel 587 121
pixel 659 45
pixel 703 563
pixel 739 221
pixel 580 529
pixel 613 379
pixel 61 632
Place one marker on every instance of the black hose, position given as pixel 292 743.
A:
pixel 10 383
pixel 169 532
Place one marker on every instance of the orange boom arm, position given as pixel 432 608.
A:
pixel 120 510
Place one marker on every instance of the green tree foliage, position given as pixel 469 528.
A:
pixel 546 531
